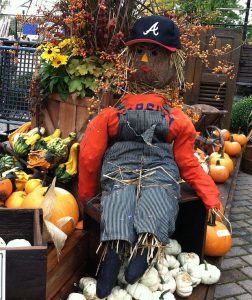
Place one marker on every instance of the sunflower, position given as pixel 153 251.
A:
pixel 59 60
pixel 64 43
pixel 50 53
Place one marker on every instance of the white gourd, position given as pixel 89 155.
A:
pixel 210 274
pixel 162 270
pixel 174 272
pixel 138 291
pixel 163 296
pixel 194 271
pixel 2 242
pixel 151 279
pixel 76 296
pixel 169 261
pixel 88 285
pixel 184 284
pixel 173 248
pixel 18 243
pixel 118 293
pixel 168 283
pixel 186 257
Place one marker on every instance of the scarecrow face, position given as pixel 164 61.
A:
pixel 153 65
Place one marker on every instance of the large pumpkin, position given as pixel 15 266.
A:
pixel 6 188
pixel 240 138
pixel 218 239
pixel 66 206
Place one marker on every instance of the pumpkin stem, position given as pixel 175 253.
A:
pixel 205 263
pixel 162 295
pixel 162 279
pixel 212 219
pixel 218 163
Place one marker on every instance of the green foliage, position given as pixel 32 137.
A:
pixel 79 76
pixel 241 115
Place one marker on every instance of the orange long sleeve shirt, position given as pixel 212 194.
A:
pixel 181 133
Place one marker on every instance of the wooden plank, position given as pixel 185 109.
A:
pixel 73 256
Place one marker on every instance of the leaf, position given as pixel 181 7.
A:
pixel 52 83
pixel 82 69
pixel 90 83
pixel 72 66
pixel 75 85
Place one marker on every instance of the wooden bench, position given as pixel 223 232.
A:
pixel 190 227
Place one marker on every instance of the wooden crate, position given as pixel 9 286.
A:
pixel 71 266
pixel 25 267
pixel 70 115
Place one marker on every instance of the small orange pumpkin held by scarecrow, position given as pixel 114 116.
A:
pixel 218 238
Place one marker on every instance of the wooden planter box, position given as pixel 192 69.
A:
pixel 25 276
pixel 70 115
pixel 246 164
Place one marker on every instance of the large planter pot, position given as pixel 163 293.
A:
pixel 246 163
pixel 70 115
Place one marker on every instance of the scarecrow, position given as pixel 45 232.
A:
pixel 140 150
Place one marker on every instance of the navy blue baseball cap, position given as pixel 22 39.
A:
pixel 156 29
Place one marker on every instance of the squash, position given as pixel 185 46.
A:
pixel 169 261
pixel 65 206
pixel 88 285
pixel 6 188
pixel 118 293
pixel 22 129
pixel 76 296
pixel 240 138
pixel 138 291
pixel 2 242
pixel 16 199
pixel 184 284
pixel 224 159
pixel 232 148
pixel 150 279
pixel 65 172
pixel 18 243
pixel 210 274
pixel 32 184
pixel 186 257
pixel 164 295
pixel 173 248
pixel 218 239
pixel 167 284
pixel 194 271
pixel 218 173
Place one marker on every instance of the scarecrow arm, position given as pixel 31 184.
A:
pixel 189 167
pixel 92 148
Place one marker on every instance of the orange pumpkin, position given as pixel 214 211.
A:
pixel 6 188
pixel 218 172
pixel 232 148
pixel 224 159
pixel 65 206
pixel 218 239
pixel 240 138
pixel 224 132
pixel 16 199
pixel 32 184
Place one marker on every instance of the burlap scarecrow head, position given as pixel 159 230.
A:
pixel 153 42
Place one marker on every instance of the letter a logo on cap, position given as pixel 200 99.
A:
pixel 153 28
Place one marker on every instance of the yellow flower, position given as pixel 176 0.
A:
pixel 59 60
pixel 64 43
pixel 50 53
